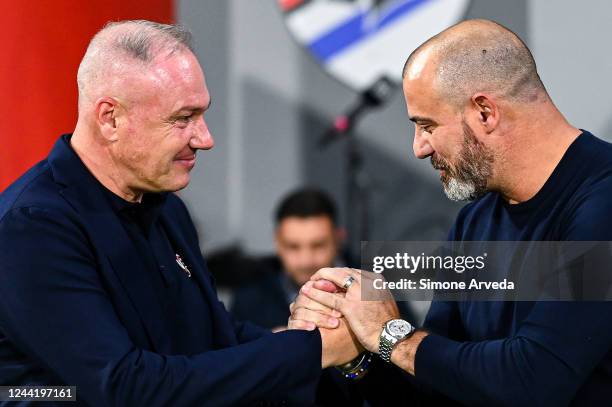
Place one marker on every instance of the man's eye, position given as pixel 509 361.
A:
pixel 184 118
pixel 427 129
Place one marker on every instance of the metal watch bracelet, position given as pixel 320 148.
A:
pixel 384 349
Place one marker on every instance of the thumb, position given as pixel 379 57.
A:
pixel 325 285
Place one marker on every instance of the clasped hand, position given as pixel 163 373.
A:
pixel 348 324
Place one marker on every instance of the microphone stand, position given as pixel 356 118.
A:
pixel 357 181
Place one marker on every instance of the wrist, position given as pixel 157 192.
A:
pixel 404 353
pixel 326 355
pixel 358 367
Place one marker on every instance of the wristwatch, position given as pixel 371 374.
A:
pixel 394 331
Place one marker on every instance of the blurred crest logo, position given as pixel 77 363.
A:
pixel 362 41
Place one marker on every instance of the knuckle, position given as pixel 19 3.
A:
pixel 313 316
pixel 321 318
pixel 325 270
pixel 314 305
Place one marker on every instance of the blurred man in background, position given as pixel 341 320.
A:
pixel 307 238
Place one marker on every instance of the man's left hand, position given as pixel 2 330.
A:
pixel 366 318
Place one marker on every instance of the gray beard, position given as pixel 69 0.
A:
pixel 459 190
pixel 468 181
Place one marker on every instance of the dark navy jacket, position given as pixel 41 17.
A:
pixel 76 307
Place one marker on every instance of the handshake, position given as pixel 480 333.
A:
pixel 331 301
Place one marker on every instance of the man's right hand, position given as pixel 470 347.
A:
pixel 339 345
pixel 308 314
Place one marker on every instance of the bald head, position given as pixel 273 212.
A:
pixel 123 49
pixel 476 56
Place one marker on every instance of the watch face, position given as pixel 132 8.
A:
pixel 399 328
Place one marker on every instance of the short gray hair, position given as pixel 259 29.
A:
pixel 138 40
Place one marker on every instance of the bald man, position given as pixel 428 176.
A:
pixel 102 284
pixel 486 122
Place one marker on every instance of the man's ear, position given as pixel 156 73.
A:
pixel 487 111
pixel 106 111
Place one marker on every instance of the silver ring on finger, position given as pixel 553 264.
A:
pixel 348 282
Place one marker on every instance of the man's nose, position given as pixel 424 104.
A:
pixel 305 257
pixel 421 146
pixel 202 138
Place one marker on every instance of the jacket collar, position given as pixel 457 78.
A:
pixel 86 195
pixel 83 192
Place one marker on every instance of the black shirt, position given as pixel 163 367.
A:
pixel 185 310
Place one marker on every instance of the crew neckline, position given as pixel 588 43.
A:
pixel 558 174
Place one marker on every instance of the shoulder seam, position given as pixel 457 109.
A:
pixel 23 190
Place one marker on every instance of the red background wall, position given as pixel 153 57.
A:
pixel 43 43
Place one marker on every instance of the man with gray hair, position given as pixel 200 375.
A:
pixel 103 286
pixel 488 125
